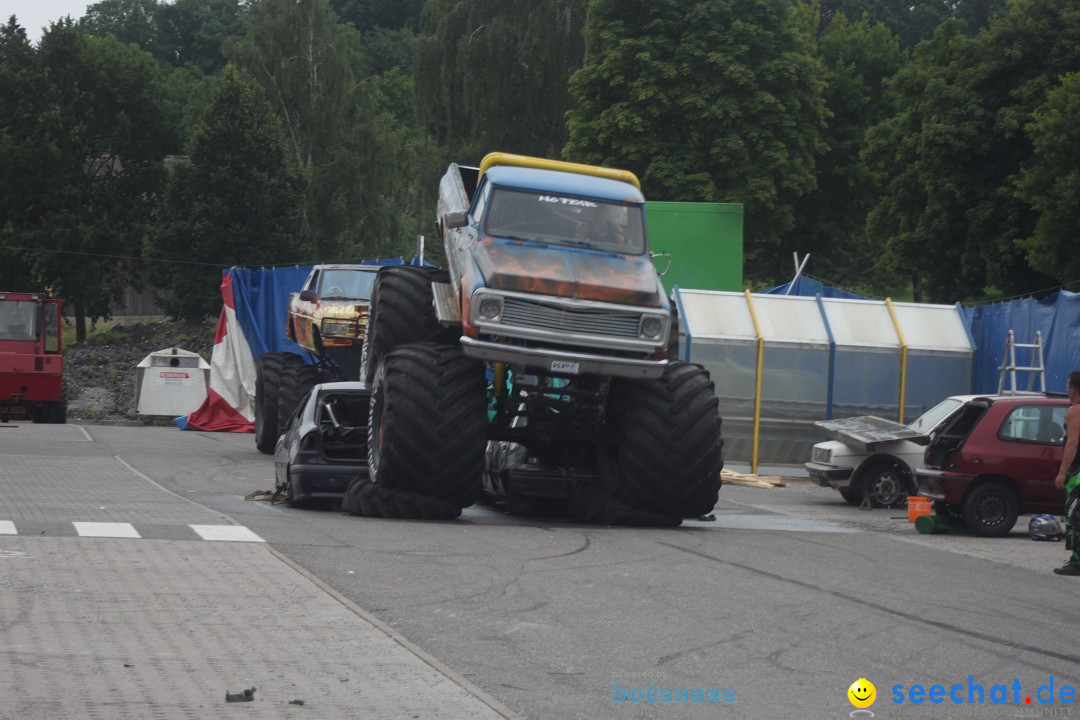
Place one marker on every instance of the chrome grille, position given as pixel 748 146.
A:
pixel 582 321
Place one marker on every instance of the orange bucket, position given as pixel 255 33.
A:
pixel 917 507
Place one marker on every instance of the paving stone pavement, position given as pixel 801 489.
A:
pixel 163 625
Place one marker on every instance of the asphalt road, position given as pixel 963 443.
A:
pixel 773 610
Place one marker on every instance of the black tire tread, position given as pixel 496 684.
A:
pixel 402 313
pixel 267 387
pixel 670 449
pixel 867 482
pixel 296 382
pixel 435 423
pixel 971 518
pixel 366 499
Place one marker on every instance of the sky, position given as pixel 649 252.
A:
pixel 36 14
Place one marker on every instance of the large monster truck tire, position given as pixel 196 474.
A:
pixel 427 430
pixel 367 499
pixel 402 313
pixel 669 443
pixel 267 388
pixel 297 380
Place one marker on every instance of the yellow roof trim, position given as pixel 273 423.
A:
pixel 499 158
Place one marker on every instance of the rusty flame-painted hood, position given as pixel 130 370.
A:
pixel 568 272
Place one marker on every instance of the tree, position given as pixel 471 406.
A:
pixel 953 155
pixel 1051 183
pixel 194 32
pixel 387 14
pixel 129 21
pixel 176 33
pixel 311 68
pixel 858 58
pixel 238 202
pixel 493 75
pixel 913 21
pixel 706 101
pixel 18 79
pixel 94 134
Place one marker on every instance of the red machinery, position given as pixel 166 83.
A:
pixel 31 359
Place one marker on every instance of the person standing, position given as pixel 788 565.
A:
pixel 1068 477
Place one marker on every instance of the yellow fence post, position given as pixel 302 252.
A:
pixel 903 358
pixel 757 383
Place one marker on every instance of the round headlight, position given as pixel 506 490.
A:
pixel 490 308
pixel 651 327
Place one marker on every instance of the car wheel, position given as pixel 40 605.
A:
pixel 886 486
pixel 853 497
pixel 990 510
pixel 950 511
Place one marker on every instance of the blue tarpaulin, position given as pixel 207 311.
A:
pixel 1056 317
pixel 807 286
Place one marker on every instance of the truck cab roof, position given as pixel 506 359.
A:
pixel 563 183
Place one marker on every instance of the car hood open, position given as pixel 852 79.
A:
pixel 869 431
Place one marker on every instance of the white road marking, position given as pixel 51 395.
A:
pixel 228 533
pixel 104 529
pixel 7 528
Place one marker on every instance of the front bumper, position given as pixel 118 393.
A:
pixel 563 362
pixel 329 481
pixel 829 476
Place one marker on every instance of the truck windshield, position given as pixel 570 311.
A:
pixel 348 284
pixel 562 220
pixel 18 320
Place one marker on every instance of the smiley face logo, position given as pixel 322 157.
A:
pixel 862 693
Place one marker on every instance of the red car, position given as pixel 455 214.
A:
pixel 995 458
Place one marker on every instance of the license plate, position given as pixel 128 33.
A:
pixel 562 366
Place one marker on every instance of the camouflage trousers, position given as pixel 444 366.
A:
pixel 1072 518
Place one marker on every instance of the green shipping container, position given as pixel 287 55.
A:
pixel 705 241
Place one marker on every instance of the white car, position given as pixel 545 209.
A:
pixel 872 458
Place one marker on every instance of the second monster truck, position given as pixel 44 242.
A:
pixel 541 366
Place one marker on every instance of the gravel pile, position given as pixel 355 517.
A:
pixel 100 371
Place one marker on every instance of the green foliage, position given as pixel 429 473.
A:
pixel 707 101
pixel 312 68
pixel 388 14
pixel 952 157
pixel 492 74
pixel 237 203
pixel 858 58
pixel 176 33
pixel 1051 182
pixel 910 146
pixel 912 21
pixel 86 144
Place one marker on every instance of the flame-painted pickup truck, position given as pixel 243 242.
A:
pixel 540 365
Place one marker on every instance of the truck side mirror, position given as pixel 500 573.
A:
pixel 307 296
pixel 455 219
pixel 667 266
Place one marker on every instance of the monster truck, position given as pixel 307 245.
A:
pixel 327 318
pixel 31 359
pixel 540 365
